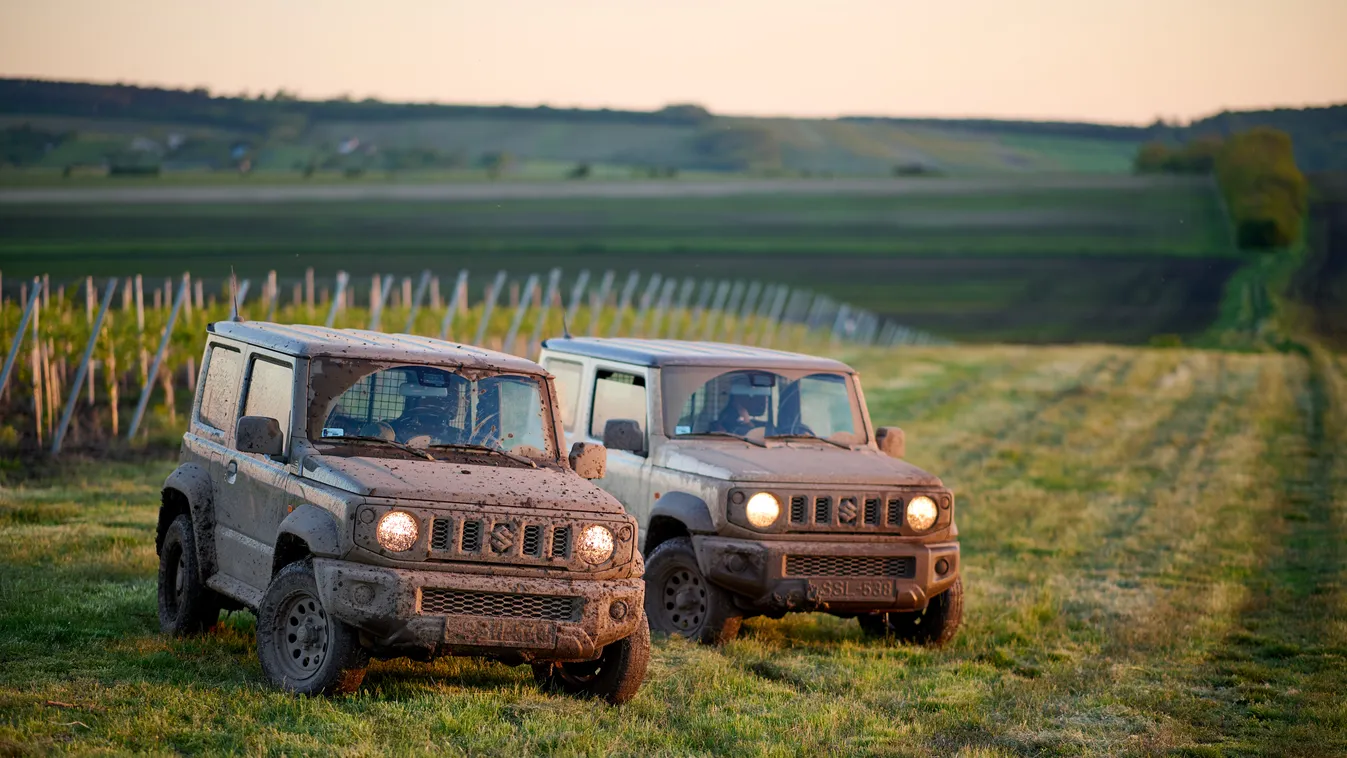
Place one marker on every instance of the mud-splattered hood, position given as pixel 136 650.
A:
pixel 803 463
pixel 452 482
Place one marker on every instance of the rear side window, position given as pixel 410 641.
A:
pixel 270 393
pixel 617 395
pixel 567 378
pixel 219 391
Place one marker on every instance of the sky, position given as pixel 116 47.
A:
pixel 1121 61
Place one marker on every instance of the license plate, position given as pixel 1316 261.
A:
pixel 853 589
pixel 499 631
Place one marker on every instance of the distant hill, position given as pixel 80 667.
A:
pixel 58 124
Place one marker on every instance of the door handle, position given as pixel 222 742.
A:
pixel 231 471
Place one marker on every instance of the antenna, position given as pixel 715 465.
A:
pixel 565 330
pixel 234 295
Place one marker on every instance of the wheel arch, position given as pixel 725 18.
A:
pixel 307 531
pixel 677 514
pixel 188 491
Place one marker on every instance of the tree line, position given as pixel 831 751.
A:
pixel 1264 190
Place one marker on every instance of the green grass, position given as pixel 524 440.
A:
pixel 1154 555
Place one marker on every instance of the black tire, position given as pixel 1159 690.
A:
pixel 679 600
pixel 186 604
pixel 933 626
pixel 615 675
pixel 302 649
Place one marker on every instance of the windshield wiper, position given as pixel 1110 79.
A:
pixel 731 435
pixel 486 449
pixel 392 443
pixel 807 437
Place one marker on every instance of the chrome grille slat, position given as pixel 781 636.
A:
pixel 436 601
pixel 850 565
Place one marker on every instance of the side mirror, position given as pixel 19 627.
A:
pixel 259 434
pixel 589 460
pixel 623 434
pixel 891 440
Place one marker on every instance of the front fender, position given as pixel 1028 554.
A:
pixel 316 528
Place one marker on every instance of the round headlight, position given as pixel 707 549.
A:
pixel 595 544
pixel 762 510
pixel 397 531
pixel 921 513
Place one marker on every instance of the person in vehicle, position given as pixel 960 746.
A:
pixel 747 403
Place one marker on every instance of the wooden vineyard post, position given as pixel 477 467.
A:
pixel 529 286
pixel 736 295
pixel 699 311
pixel 338 297
pixel 652 326
pixel 680 311
pixel 28 310
pixel 492 295
pixel 83 369
pixel 237 299
pixel 158 359
pixel 455 303
pixel 308 293
pixel 416 300
pixel 600 301
pixel 272 295
pixel 545 306
pixel 713 315
pixel 624 302
pixel 111 377
pixel 774 316
pixel 645 305
pixel 378 294
pixel 750 300
pixel 577 295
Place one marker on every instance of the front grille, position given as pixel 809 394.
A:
pixel 472 537
pixel 797 509
pixel 896 512
pixel 871 511
pixel 441 531
pixel 823 510
pixel 850 565
pixel 439 602
pixel 561 542
pixel 533 540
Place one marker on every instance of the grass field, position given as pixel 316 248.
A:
pixel 1155 548
pixel 1116 259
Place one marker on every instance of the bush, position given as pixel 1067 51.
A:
pixel 1265 191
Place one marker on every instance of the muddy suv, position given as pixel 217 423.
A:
pixel 386 495
pixel 761 488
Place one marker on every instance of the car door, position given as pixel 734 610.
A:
pixel 621 392
pixel 257 487
pixel 211 429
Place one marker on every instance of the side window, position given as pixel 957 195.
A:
pixel 567 377
pixel 825 405
pixel 617 395
pixel 219 389
pixel 271 393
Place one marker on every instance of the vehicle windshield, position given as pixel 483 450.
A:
pixel 423 406
pixel 758 404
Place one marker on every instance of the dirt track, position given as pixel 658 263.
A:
pixel 243 193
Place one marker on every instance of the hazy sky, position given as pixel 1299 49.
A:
pixel 1121 61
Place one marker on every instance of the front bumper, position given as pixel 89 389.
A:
pixel 838 577
pixel 436 612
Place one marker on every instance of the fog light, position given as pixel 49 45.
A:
pixel 942 567
pixel 736 563
pixel 618 610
